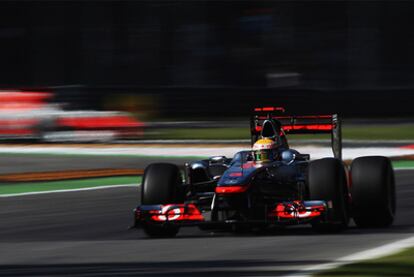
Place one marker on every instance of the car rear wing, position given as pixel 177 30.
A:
pixel 307 124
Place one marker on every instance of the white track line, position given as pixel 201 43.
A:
pixel 107 187
pixel 68 190
pixel 374 253
pixel 403 168
pixel 316 152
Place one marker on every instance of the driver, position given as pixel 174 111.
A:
pixel 265 150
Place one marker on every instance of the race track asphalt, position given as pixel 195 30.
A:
pixel 18 163
pixel 85 234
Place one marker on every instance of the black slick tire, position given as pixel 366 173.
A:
pixel 327 181
pixel 373 192
pixel 161 185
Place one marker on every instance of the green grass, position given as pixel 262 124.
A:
pixel 201 133
pixel 362 132
pixel 7 188
pixel 185 158
pixel 379 132
pixel 403 164
pixel 401 264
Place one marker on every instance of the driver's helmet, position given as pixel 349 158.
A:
pixel 264 150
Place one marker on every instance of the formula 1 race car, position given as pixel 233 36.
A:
pixel 271 185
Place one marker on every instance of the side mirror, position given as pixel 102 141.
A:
pixel 217 159
pixel 288 157
pixel 215 178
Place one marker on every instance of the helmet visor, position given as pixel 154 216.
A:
pixel 262 155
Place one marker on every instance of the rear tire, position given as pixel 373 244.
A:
pixel 161 185
pixel 327 182
pixel 373 192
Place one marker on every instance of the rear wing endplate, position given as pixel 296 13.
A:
pixel 308 124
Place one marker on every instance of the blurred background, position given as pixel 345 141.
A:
pixel 159 69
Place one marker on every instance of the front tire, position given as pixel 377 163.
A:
pixel 373 192
pixel 161 185
pixel 327 182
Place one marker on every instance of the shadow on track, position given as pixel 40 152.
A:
pixel 284 232
pixel 60 234
pixel 193 268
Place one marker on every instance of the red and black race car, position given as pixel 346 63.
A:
pixel 287 189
